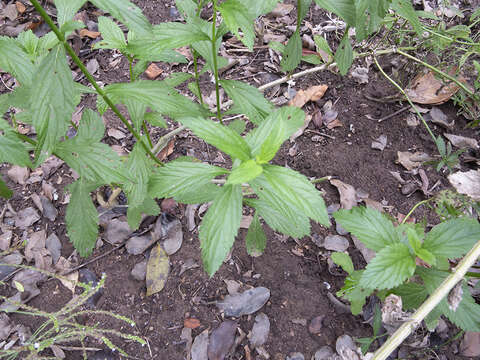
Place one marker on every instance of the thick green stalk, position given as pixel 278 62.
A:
pixel 215 62
pixel 90 78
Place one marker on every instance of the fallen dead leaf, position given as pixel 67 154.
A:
pixel 191 323
pixel 166 151
pixel 461 141
pixel 115 133
pixel 438 117
pixel 467 183
pixel 348 195
pixel 35 243
pixel 88 33
pixel 20 7
pixel 379 143
pixel 282 9
pixel 70 281
pixel 428 89
pixel 11 12
pixel 333 124
pixel 200 346
pixel 470 345
pixel 18 174
pixel 246 221
pixel 221 340
pixel 313 93
pixel 153 71
pixel 410 160
pixel 360 74
pixel 158 268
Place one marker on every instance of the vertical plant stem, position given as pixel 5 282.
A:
pixel 90 78
pixel 413 209
pixel 145 130
pixel 215 62
pixel 434 299
pixel 197 75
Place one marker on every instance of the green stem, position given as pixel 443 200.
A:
pixel 130 68
pixel 145 130
pixel 440 72
pixel 197 75
pixel 414 208
pixel 473 274
pixel 90 78
pixel 322 179
pixel 406 96
pixel 449 38
pixel 215 62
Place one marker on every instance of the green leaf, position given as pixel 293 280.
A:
pixel 297 190
pixel 354 292
pixel 176 79
pixel 157 95
pixel 94 161
pixel 277 46
pixel 389 268
pixel 322 44
pixel 140 167
pixel 256 239
pixel 344 55
pixel 222 137
pixel 266 139
pixel 370 226
pixel 187 8
pixel 257 8
pixel 14 61
pixel 278 214
pixel 71 26
pixel 66 9
pixel 236 16
pixel 82 218
pixel 303 6
pixel 53 103
pixel 155 119
pixel 134 213
pixel 247 171
pixel 247 100
pixel 452 238
pixel 467 314
pixel 136 111
pixel 5 192
pixel 113 37
pixel 237 125
pixel 182 177
pixel 414 239
pixel 139 68
pixel 127 13
pixel 220 226
pixel 293 53
pixel 412 294
pixel 426 256
pixel 343 8
pixel 312 59
pixel 405 9
pixel 343 260
pixel 13 150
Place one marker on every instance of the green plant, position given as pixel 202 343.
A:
pixel 283 198
pixel 62 327
pixel 409 262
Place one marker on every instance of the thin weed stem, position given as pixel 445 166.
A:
pixel 215 62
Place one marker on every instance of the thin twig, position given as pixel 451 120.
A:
pixel 94 259
pixel 394 114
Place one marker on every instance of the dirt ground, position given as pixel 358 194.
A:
pixel 295 271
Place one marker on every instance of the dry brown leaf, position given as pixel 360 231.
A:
pixel 282 10
pixel 153 71
pixel 467 183
pixel 18 174
pixel 462 141
pixel 166 151
pixel 70 281
pixel 20 7
pixel 313 93
pixel 300 131
pixel 348 195
pixel 410 161
pixel 88 33
pixel 246 221
pixel 191 323
pixel 428 89
pixel 334 123
pixel 158 267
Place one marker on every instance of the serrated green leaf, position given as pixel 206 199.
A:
pixel 405 9
pixel 278 214
pixel 302 9
pixel 256 239
pixel 353 292
pixel 137 111
pixel 452 238
pixel 15 61
pixel 140 167
pixel 238 125
pixel 266 139
pixel 412 294
pixel 134 213
pixel 94 161
pixel 220 226
pixel 426 256
pixel 187 8
pixel 343 260
pixel 13 150
pixel 277 46
pixel 82 218
pixel 292 55
pixel 71 26
pixel 155 119
pixel 127 13
pixel 467 314
pixel 257 8
pixel 113 37
pixel 344 55
pixel 312 59
pixel 157 95
pixel 177 78
pixel 54 101
pixel 179 178
pixel 389 268
pixel 247 171
pixel 370 226
pixel 414 239
pixel 247 100
pixel 236 16
pixel 343 8
pixel 298 191
pixel 322 44
pixel 5 192
pixel 66 9
pixel 139 68
pixel 222 137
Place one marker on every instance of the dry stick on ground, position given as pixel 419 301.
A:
pixel 415 320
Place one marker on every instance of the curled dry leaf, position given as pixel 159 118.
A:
pixel 410 160
pixel 461 141
pixel 153 71
pixel 313 93
pixel 157 270
pixel 428 89
pixel 18 174
pixel 348 195
pixel 438 117
pixel 222 340
pixel 467 183
pixel 88 33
